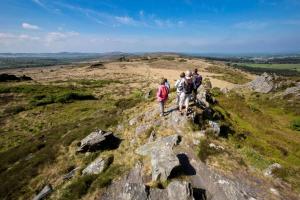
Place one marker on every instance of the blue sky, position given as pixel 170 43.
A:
pixel 198 26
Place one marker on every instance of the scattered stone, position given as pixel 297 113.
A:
pixel 217 147
pixel 99 140
pixel 264 83
pixel 97 166
pixel 44 192
pixel 225 90
pixel 274 191
pixel 292 90
pixel 71 174
pixel 163 161
pixel 269 171
pixel 214 128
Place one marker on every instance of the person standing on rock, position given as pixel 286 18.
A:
pixel 162 96
pixel 179 87
pixel 197 80
pixel 185 96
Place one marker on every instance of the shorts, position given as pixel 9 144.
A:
pixel 185 99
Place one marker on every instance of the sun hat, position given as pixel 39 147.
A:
pixel 188 74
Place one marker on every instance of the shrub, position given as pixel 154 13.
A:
pixel 78 188
pixel 295 125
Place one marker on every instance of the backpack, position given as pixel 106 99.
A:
pixel 164 93
pixel 188 86
pixel 197 80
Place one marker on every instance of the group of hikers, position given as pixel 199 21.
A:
pixel 186 89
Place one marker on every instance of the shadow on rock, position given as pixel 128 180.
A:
pixel 185 168
pixel 199 194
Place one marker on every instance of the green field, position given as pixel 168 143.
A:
pixel 273 66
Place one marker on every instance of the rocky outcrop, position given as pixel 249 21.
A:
pixel 98 140
pixel 176 190
pixel 128 188
pixel 166 142
pixel 214 128
pixel 264 83
pixel 44 193
pixel 70 174
pixel 163 159
pixel 97 166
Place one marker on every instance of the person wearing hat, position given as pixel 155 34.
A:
pixel 185 96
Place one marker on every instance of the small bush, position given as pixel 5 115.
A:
pixel 60 98
pixel 204 151
pixel 295 125
pixel 14 109
pixel 78 188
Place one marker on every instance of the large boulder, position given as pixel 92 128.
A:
pixel 169 141
pixel 43 193
pixel 163 159
pixel 264 83
pixel 97 166
pixel 98 140
pixel 271 168
pixel 176 190
pixel 129 187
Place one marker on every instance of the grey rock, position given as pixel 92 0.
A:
pixel 44 192
pixel 163 161
pixel 176 190
pixel 225 90
pixel 214 127
pixel 97 166
pixel 264 83
pixel 269 171
pixel 148 94
pixel 216 147
pixel 142 129
pixel 130 187
pixel 152 137
pixel 206 84
pixel 136 119
pixel 98 140
pixel 71 174
pixel 292 90
pixel 147 149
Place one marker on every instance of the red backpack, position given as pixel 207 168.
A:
pixel 164 93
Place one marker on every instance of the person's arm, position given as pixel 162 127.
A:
pixel 158 94
pixel 177 83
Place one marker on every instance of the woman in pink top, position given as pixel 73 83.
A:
pixel 162 96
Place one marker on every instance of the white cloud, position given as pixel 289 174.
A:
pixel 29 26
pixel 125 20
pixel 59 36
pixel 251 25
pixel 38 2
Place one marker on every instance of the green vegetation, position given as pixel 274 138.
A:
pixel 33 134
pixel 263 133
pixel 273 66
pixel 292 70
pixel 296 124
pixel 228 74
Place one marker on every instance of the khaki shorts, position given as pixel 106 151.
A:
pixel 184 99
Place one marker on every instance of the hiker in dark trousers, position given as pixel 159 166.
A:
pixel 179 87
pixel 197 80
pixel 185 96
pixel 162 96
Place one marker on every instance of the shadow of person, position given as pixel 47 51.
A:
pixel 184 169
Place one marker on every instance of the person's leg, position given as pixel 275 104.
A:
pixel 187 101
pixel 161 105
pixel 181 101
